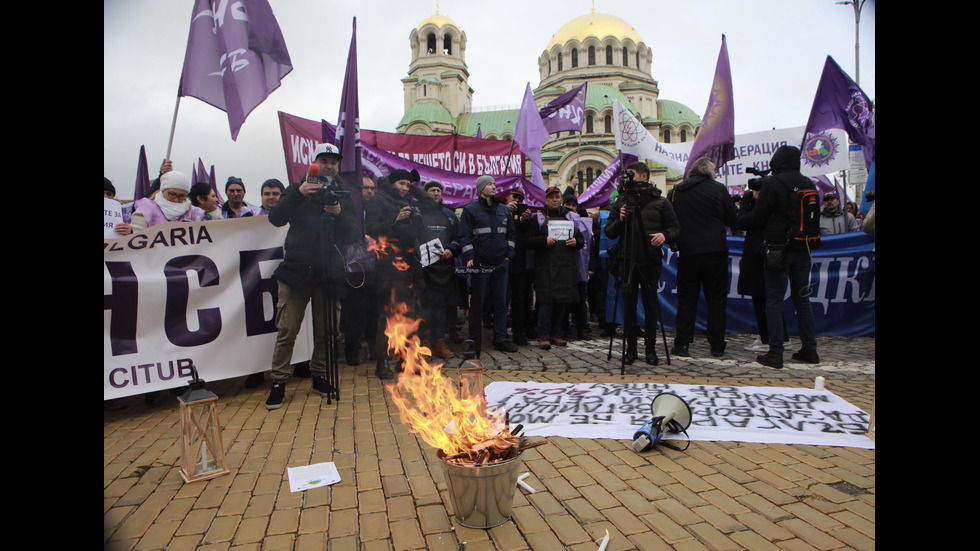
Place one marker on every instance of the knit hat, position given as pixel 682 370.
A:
pixel 482 182
pixel 432 184
pixel 175 180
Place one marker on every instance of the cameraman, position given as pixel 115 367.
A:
pixel 646 221
pixel 771 213
pixel 304 270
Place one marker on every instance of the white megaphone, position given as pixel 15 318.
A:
pixel 670 413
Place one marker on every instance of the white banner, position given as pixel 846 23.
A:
pixel 191 293
pixel 770 415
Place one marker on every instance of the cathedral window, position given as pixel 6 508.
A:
pixel 447 45
pixel 430 43
pixel 574 57
pixel 591 55
pixel 609 55
pixel 626 57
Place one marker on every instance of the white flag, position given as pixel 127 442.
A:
pixel 632 137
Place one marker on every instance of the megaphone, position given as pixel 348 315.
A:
pixel 670 413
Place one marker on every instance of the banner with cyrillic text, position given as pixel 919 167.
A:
pixel 191 293
pixel 768 415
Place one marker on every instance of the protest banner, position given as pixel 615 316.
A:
pixel 191 293
pixel 770 415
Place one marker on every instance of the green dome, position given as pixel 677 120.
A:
pixel 429 111
pixel 677 113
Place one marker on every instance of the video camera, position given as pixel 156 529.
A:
pixel 755 184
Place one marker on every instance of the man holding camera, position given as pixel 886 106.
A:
pixel 305 268
pixel 643 221
pixel 704 209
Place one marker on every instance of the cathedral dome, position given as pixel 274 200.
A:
pixel 597 25
pixel 438 20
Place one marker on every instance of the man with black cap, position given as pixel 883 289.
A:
pixel 645 221
pixel 555 238
pixel 438 245
pixel 490 221
pixel 833 219
pixel 770 210
pixel 304 270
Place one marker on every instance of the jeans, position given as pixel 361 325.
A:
pixel 797 270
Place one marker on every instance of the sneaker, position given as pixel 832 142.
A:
pixel 757 346
pixel 321 385
pixel 544 344
pixel 771 359
pixel 807 356
pixel 680 350
pixel 505 346
pixel 276 395
pixel 558 341
pixel 254 380
pixel 630 356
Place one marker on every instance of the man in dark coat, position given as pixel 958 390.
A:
pixel 554 237
pixel 307 265
pixel 645 221
pixel 771 214
pixel 704 209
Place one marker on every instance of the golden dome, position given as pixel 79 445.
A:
pixel 598 25
pixel 438 20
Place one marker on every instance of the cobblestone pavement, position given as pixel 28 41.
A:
pixel 393 493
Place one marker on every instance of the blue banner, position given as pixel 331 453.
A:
pixel 843 300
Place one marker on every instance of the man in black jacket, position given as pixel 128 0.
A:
pixel 308 264
pixel 645 221
pixel 703 209
pixel 771 213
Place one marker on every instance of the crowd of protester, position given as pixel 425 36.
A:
pixel 545 274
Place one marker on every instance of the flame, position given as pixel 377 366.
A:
pixel 428 402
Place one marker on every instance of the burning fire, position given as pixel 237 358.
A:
pixel 429 405
pixel 382 247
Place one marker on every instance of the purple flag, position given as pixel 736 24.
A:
pixel 200 173
pixel 194 178
pixel 716 139
pixel 531 134
pixel 566 112
pixel 142 176
pixel 479 131
pixel 840 103
pixel 348 140
pixel 235 57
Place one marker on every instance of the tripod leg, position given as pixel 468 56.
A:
pixel 663 333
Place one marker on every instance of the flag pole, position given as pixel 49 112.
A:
pixel 173 126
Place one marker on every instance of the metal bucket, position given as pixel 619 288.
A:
pixel 482 495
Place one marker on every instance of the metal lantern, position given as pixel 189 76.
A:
pixel 203 453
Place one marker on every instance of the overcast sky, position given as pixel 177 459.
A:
pixel 777 50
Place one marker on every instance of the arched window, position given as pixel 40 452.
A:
pixel 591 55
pixel 589 177
pixel 560 59
pixel 447 45
pixel 588 124
pixel 430 43
pixel 609 60
pixel 683 135
pixel 666 135
pixel 626 57
pixel 549 66
pixel 607 124
pixel 574 57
